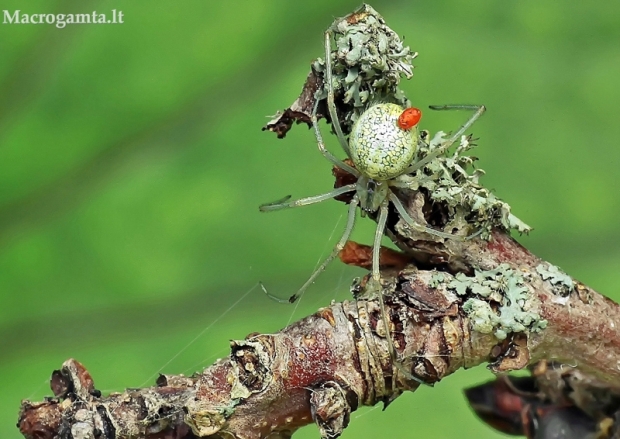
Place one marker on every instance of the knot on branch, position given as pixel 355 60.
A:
pixel 252 362
pixel 331 406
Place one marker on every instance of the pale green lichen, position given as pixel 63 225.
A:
pixel 448 181
pixel 437 279
pixel 483 318
pixel 562 283
pixel 367 63
pixel 507 288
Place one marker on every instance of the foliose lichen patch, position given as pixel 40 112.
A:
pixel 452 180
pixel 504 286
pixel 367 63
pixel 562 283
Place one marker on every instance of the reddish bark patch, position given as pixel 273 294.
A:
pixel 40 420
pixel 506 249
pixel 343 178
pixel 360 255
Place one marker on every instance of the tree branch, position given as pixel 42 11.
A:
pixel 323 367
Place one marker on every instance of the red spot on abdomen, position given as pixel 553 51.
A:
pixel 409 118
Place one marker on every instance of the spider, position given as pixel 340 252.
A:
pixel 382 146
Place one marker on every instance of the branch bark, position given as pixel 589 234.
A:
pixel 323 367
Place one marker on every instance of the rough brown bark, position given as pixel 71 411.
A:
pixel 323 367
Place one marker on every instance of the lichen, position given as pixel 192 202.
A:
pixel 562 283
pixel 437 279
pixel 507 288
pixel 448 181
pixel 367 63
pixel 483 318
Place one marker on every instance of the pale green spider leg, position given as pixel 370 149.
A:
pixel 479 110
pixel 337 248
pixel 414 225
pixel 331 106
pixel 335 252
pixel 284 203
pixel 321 144
pixel 411 222
pixel 376 277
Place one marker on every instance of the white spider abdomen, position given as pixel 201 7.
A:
pixel 381 149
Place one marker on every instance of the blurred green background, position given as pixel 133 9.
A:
pixel 132 164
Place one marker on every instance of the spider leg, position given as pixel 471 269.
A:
pixel 321 144
pixel 285 203
pixel 376 276
pixel 479 110
pixel 337 249
pixel 271 296
pixel 419 227
pixel 331 106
